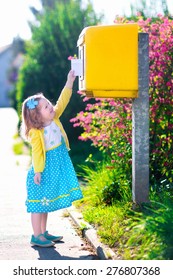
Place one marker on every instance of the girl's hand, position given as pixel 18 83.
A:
pixel 37 178
pixel 70 79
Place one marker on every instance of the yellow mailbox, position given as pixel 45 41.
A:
pixel 109 55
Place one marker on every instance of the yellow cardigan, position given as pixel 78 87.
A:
pixel 36 136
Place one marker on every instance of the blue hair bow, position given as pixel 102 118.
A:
pixel 31 103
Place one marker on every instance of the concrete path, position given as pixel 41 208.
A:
pixel 15 226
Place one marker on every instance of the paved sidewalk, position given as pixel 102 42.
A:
pixel 15 226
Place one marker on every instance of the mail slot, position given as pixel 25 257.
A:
pixel 109 56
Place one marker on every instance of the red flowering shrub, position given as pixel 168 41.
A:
pixel 107 122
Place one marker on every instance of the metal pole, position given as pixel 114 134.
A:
pixel 140 126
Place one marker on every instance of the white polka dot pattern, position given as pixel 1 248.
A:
pixel 59 185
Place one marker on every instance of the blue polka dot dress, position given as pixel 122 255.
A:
pixel 59 185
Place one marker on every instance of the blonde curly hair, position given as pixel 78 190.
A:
pixel 31 118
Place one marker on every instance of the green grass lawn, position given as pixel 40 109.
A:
pixel 134 233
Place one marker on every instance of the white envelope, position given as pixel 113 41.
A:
pixel 77 67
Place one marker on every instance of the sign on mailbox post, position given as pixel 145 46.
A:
pixel 109 55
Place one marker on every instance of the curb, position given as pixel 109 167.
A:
pixel 103 252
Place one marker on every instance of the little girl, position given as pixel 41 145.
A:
pixel 51 181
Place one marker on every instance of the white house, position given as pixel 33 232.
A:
pixel 6 55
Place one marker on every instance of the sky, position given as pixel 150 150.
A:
pixel 14 15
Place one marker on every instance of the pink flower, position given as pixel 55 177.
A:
pixel 120 154
pixel 70 57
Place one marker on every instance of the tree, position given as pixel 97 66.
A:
pixel 149 8
pixel 54 38
pixel 46 5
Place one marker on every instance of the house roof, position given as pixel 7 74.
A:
pixel 5 48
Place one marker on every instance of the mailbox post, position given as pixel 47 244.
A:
pixel 140 127
pixel 115 64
